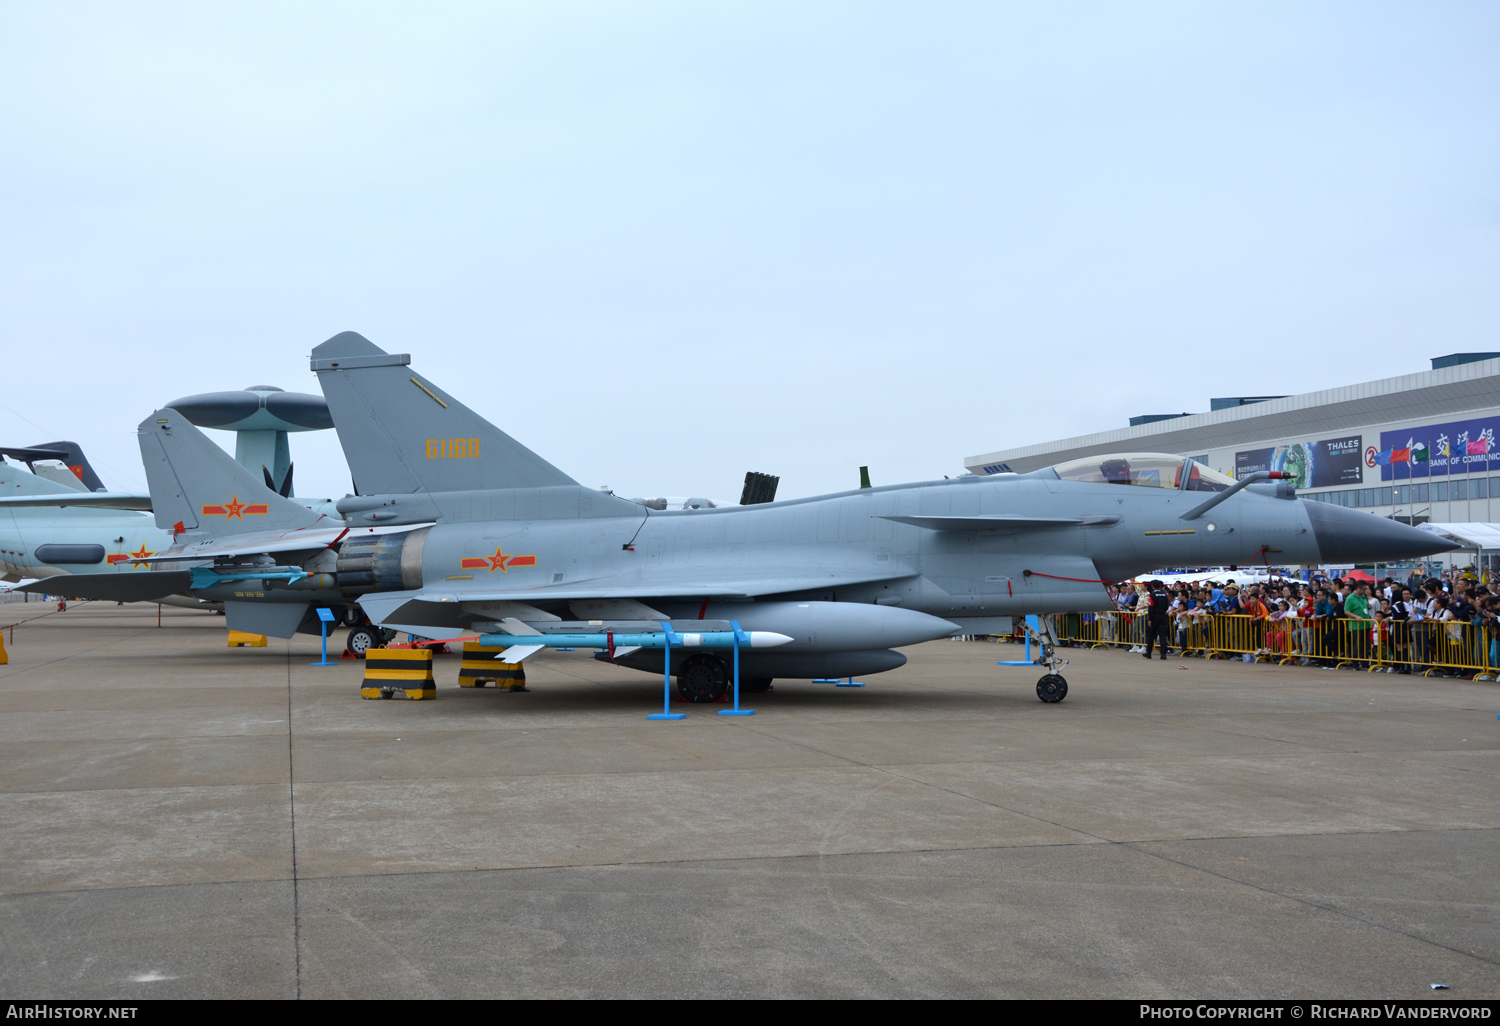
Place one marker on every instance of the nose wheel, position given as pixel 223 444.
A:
pixel 1052 688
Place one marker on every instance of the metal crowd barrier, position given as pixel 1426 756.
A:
pixel 1429 647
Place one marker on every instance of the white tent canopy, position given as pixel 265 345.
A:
pixel 1477 537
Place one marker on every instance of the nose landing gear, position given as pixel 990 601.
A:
pixel 1052 688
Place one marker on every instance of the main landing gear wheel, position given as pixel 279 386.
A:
pixel 755 685
pixel 362 639
pixel 703 678
pixel 1052 688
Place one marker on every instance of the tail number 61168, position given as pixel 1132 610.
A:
pixel 452 448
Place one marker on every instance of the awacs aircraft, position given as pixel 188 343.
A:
pixel 515 545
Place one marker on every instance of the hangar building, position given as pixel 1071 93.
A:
pixel 1419 448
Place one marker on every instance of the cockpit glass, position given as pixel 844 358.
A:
pixel 1203 479
pixel 1147 469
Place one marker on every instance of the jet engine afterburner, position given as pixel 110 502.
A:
pixel 381 562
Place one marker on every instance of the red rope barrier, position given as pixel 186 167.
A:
pixel 1055 577
pixel 432 642
pixel 1262 553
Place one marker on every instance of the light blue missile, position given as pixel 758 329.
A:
pixel 209 577
pixel 522 645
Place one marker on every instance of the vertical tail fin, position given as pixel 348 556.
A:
pixel 196 484
pixel 71 455
pixel 401 433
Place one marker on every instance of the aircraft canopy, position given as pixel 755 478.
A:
pixel 1145 469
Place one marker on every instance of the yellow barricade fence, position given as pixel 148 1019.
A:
pixel 1431 647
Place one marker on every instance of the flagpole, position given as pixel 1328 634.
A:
pixel 1487 458
pixel 1468 480
pixel 1410 491
pixel 1395 485
pixel 1411 499
pixel 1427 478
pixel 1468 495
pixel 1396 489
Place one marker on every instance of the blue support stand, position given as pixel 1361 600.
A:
pixel 666 703
pixel 739 636
pixel 1036 625
pixel 848 684
pixel 325 617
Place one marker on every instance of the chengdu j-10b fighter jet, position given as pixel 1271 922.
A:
pixel 503 541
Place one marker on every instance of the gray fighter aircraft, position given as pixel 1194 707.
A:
pixel 231 539
pixel 60 519
pixel 503 541
pixel 55 519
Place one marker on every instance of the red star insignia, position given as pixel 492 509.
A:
pixel 499 561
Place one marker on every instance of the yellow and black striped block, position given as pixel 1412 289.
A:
pixel 480 667
pixel 239 639
pixel 398 673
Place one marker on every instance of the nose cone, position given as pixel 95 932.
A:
pixel 861 626
pixel 1352 536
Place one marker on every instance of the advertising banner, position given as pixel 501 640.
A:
pixel 1251 460
pixel 1437 450
pixel 1323 464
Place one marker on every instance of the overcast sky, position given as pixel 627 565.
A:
pixel 663 244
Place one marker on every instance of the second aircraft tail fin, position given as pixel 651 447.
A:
pixel 402 434
pixel 197 485
pixel 70 454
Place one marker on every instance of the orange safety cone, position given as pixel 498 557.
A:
pixel 4 656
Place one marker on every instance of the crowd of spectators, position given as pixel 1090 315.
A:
pixel 1451 622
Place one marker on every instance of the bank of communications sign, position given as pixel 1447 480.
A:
pixel 1437 450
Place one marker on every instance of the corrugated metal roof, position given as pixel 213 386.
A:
pixel 1425 395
